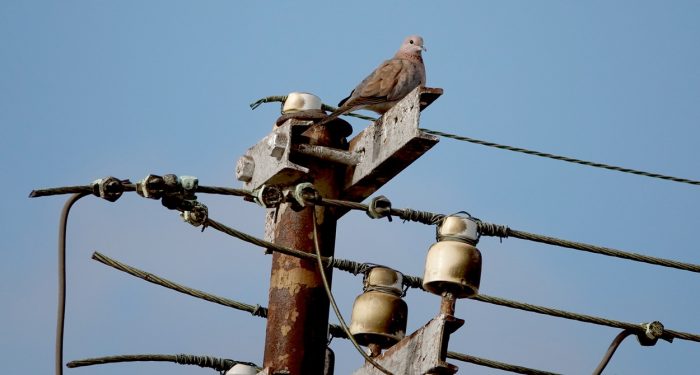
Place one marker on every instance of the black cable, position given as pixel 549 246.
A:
pixel 327 287
pixel 562 158
pixel 611 350
pixel 61 313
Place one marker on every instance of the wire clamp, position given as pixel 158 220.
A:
pixel 652 333
pixel 379 207
pixel 108 188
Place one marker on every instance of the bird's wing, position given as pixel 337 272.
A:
pixel 379 86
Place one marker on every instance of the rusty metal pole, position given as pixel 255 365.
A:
pixel 297 324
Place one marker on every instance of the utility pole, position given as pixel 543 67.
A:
pixel 298 151
pixel 297 320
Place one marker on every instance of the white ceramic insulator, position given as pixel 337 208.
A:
pixel 301 101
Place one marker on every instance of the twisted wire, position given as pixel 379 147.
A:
pixel 604 251
pixel 88 189
pixel 256 310
pixel 218 364
pixel 562 158
pixel 325 107
pixel 417 282
pixel 334 305
pixel 333 329
pixel 497 365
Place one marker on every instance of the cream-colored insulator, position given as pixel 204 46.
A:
pixel 242 369
pixel 300 101
pixel 379 315
pixel 453 263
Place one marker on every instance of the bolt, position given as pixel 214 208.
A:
pixel 277 143
pixel 245 168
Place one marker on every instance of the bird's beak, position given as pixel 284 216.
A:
pixel 424 49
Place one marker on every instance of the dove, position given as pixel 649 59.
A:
pixel 389 83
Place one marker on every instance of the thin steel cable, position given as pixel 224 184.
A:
pixel 219 364
pixel 327 287
pixel 562 158
pixel 325 107
pixel 256 310
pixel 334 329
pixel 61 310
pixel 417 282
pixel 496 364
pixel 87 189
pixel 611 350
pixel 605 251
pixel 502 231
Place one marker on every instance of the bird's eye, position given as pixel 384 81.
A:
pixel 411 41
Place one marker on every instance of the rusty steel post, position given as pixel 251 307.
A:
pixel 297 324
pixel 447 303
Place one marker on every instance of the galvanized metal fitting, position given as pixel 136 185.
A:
pixel 460 227
pixel 305 193
pixel 151 187
pixel 379 207
pixel 652 333
pixel 197 215
pixel 269 196
pixel 245 168
pixel 189 186
pixel 108 188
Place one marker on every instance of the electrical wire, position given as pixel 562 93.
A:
pixel 561 158
pixel 61 311
pixel 430 218
pixel 279 98
pixel 334 329
pixel 219 364
pixel 417 282
pixel 334 305
pixel 611 350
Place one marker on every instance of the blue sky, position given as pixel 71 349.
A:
pixel 127 88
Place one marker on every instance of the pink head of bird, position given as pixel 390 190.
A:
pixel 412 45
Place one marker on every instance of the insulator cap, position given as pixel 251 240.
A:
pixel 458 228
pixel 300 101
pixel 242 369
pixel 453 266
pixel 385 280
pixel 378 318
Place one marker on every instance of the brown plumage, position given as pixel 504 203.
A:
pixel 389 83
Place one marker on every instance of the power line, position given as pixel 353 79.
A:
pixel 417 282
pixel 219 364
pixel 280 98
pixel 562 158
pixel 333 329
pixel 61 311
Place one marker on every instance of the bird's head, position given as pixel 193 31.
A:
pixel 412 45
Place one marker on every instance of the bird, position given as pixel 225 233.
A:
pixel 390 82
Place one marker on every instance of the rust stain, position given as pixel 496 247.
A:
pixel 293 279
pixel 285 329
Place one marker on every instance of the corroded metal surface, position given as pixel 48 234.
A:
pixel 267 163
pixel 424 352
pixel 389 145
pixel 297 324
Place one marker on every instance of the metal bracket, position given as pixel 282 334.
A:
pixel 389 145
pixel 267 163
pixel 424 352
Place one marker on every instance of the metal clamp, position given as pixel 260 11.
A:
pixel 108 188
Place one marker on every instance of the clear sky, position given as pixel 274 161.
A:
pixel 126 88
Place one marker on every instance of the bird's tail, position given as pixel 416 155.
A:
pixel 334 115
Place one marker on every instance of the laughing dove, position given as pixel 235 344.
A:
pixel 389 83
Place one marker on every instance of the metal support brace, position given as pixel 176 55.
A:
pixel 424 352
